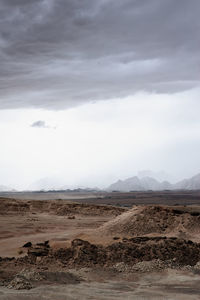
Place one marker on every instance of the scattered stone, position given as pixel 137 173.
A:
pixel 24 280
pixel 27 245
pixel 38 251
pixel 31 275
pixel 45 244
pixel 20 283
pixel 150 266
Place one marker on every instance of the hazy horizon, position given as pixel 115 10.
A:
pixel 56 183
pixel 96 91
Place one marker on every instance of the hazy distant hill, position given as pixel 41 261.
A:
pixel 127 185
pixel 149 183
pixel 4 188
pixel 159 176
pixel 135 183
pixel 192 183
pixel 139 184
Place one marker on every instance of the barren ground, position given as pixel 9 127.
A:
pixel 105 267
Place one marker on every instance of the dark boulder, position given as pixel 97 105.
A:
pixel 27 245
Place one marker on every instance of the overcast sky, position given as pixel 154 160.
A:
pixel 96 90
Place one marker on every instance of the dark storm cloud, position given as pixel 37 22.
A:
pixel 60 53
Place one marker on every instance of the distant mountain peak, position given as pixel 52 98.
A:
pixel 149 183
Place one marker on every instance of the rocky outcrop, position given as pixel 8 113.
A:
pixel 40 249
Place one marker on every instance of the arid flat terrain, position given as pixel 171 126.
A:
pixel 81 247
pixel 182 197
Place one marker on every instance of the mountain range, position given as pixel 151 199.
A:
pixel 149 183
pixel 135 183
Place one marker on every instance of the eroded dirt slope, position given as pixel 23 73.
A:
pixel 146 220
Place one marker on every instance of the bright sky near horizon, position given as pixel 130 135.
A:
pixel 98 143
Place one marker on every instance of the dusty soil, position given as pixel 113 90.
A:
pixel 88 251
pixel 168 285
pixel 57 221
pixel 114 198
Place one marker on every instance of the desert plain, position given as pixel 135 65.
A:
pixel 138 245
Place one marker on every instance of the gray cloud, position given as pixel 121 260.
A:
pixel 61 53
pixel 39 124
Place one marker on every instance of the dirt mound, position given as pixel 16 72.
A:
pixel 130 251
pixel 87 209
pixel 153 219
pixel 55 207
pixel 13 206
pixel 136 254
